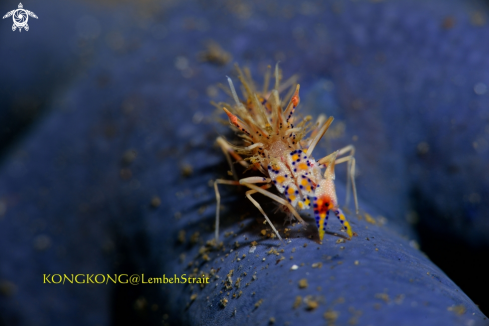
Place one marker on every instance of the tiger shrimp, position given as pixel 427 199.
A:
pixel 280 150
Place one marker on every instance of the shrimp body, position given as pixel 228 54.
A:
pixel 282 152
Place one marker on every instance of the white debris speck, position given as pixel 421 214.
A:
pixel 181 63
pixel 414 244
pixel 294 267
pixel 252 249
pixel 480 88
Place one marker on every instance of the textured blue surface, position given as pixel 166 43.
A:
pixel 389 71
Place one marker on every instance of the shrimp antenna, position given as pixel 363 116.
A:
pixel 320 135
pixel 233 91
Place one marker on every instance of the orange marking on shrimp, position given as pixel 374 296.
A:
pixel 295 100
pixel 280 179
pixel 234 120
pixel 232 117
pixel 236 156
pixel 322 205
pixel 302 166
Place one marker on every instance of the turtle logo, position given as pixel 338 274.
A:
pixel 20 17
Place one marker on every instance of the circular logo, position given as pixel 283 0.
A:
pixel 20 17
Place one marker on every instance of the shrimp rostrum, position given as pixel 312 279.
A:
pixel 280 146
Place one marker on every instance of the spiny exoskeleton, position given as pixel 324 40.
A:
pixel 280 147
